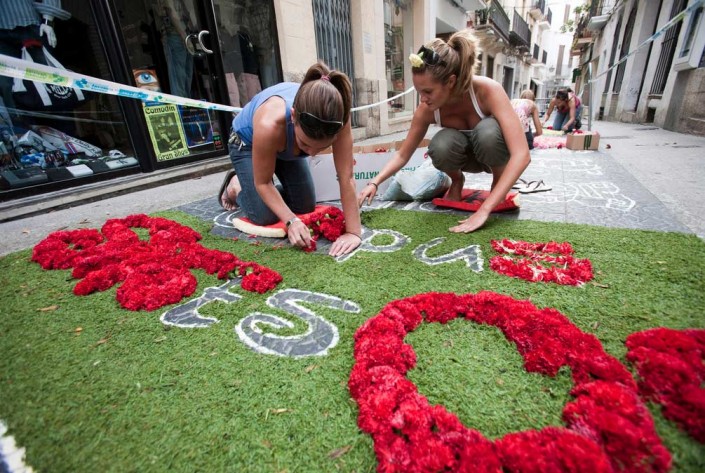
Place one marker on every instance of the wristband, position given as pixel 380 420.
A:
pixel 352 233
pixel 292 220
pixel 376 186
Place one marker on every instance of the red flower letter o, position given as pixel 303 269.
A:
pixel 608 428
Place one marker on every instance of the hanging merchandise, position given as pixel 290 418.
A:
pixel 32 95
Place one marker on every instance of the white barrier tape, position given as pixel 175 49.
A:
pixel 679 17
pixel 26 70
pixel 365 107
pixel 13 67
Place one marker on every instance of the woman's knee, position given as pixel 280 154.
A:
pixel 488 143
pixel 260 214
pixel 448 149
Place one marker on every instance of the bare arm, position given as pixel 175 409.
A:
pixel 549 111
pixel 423 117
pixel 343 160
pixel 537 121
pixel 269 134
pixel 571 111
pixel 494 100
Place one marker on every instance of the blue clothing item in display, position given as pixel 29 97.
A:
pixel 179 64
pixel 243 122
pixel 16 13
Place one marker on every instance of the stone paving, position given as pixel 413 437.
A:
pixel 587 187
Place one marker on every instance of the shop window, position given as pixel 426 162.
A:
pixel 180 47
pixel 249 47
pixel 51 136
pixel 691 52
pixel 398 42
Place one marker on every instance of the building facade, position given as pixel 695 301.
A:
pixel 225 51
pixel 647 62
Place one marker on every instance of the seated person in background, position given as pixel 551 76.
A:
pixel 526 109
pixel 481 132
pixel 568 108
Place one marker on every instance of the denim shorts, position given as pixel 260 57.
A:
pixel 295 184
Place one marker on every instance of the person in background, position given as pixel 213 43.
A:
pixel 568 108
pixel 176 24
pixel 273 135
pixel 526 109
pixel 481 132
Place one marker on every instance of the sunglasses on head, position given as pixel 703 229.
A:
pixel 312 122
pixel 430 57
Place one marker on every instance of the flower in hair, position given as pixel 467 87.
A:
pixel 416 60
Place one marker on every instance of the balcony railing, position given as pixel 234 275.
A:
pixel 520 35
pixel 493 17
pixel 537 9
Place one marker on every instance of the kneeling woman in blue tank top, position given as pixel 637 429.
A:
pixel 274 134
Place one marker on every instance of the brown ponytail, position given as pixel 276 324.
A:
pixel 457 56
pixel 325 93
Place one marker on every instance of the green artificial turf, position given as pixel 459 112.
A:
pixel 88 386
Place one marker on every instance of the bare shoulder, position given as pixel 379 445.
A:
pixel 270 117
pixel 489 93
pixel 485 87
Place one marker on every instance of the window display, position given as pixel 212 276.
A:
pixel 249 47
pixel 51 132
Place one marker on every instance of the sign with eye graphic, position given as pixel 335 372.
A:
pixel 146 79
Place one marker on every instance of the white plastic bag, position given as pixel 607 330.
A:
pixel 423 183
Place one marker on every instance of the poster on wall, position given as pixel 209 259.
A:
pixel 197 126
pixel 164 124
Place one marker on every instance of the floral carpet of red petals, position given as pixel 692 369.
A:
pixel 608 428
pixel 546 262
pixel 153 273
pixel 549 142
pixel 671 366
pixel 328 222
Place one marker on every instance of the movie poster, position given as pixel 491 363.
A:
pixel 164 124
pixel 197 126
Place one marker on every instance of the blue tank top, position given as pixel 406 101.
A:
pixel 242 123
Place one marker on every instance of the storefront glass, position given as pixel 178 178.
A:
pixel 49 133
pixel 398 45
pixel 169 44
pixel 222 51
pixel 249 47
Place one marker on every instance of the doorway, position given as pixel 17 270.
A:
pixel 507 80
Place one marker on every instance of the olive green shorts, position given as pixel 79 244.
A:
pixel 476 150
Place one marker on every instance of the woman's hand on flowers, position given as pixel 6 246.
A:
pixel 345 243
pixel 299 234
pixel 369 192
pixel 472 223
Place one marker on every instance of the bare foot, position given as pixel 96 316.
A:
pixel 456 188
pixel 229 198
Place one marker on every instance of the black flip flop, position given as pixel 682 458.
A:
pixel 228 175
